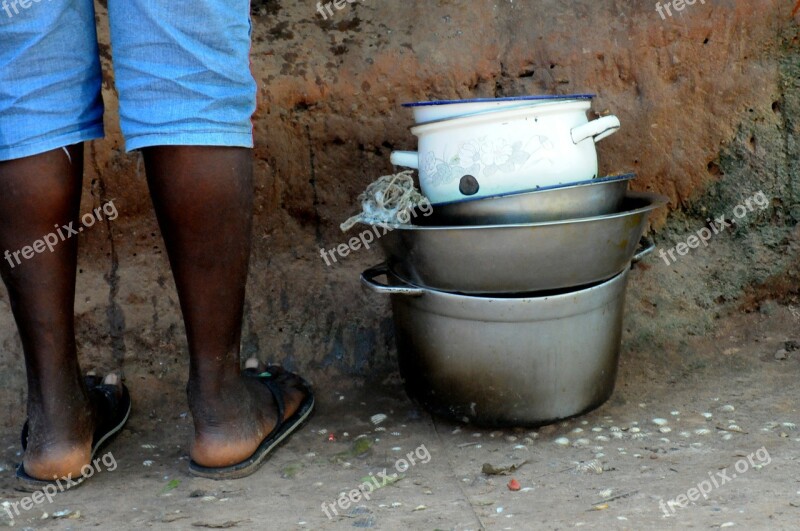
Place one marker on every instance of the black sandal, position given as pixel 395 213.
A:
pixel 113 412
pixel 283 429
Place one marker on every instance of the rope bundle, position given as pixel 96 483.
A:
pixel 389 200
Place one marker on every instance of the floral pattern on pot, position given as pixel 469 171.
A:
pixel 485 157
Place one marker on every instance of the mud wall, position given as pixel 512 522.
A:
pixel 709 104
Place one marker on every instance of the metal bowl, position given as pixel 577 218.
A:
pixel 522 258
pixel 580 200
pixel 508 361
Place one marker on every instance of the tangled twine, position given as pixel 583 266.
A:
pixel 389 200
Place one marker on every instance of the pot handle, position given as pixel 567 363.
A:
pixel 647 247
pixel 407 159
pixel 368 280
pixel 599 129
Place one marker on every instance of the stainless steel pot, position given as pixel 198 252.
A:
pixel 597 197
pixel 507 151
pixel 520 258
pixel 506 361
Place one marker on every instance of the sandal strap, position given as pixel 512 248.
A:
pixel 266 378
pixel 106 401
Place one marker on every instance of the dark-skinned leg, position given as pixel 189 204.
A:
pixel 36 194
pixel 203 198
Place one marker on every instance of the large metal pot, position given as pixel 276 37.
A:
pixel 433 111
pixel 556 203
pixel 507 361
pixel 524 258
pixel 507 151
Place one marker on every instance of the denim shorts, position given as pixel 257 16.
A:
pixel 182 72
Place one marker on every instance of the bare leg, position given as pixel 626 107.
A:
pixel 204 201
pixel 36 194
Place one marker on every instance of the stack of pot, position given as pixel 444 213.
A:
pixel 508 300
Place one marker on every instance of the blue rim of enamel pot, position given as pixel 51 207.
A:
pixel 598 180
pixel 494 100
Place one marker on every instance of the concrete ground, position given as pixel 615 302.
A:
pixel 730 413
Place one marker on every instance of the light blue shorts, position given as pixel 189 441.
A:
pixel 182 72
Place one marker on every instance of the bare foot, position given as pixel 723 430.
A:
pixel 60 436
pixel 231 423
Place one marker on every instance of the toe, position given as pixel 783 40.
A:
pixel 254 364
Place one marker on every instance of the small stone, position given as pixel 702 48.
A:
pixel 727 408
pixel 660 422
pixel 562 441
pixel 782 354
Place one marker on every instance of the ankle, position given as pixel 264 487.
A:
pixel 211 383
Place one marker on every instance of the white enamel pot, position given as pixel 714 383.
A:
pixel 492 153
pixel 433 111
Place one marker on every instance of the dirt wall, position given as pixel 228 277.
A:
pixel 707 97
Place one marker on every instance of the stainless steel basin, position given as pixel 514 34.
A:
pixel 523 258
pixel 581 200
pixel 507 361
